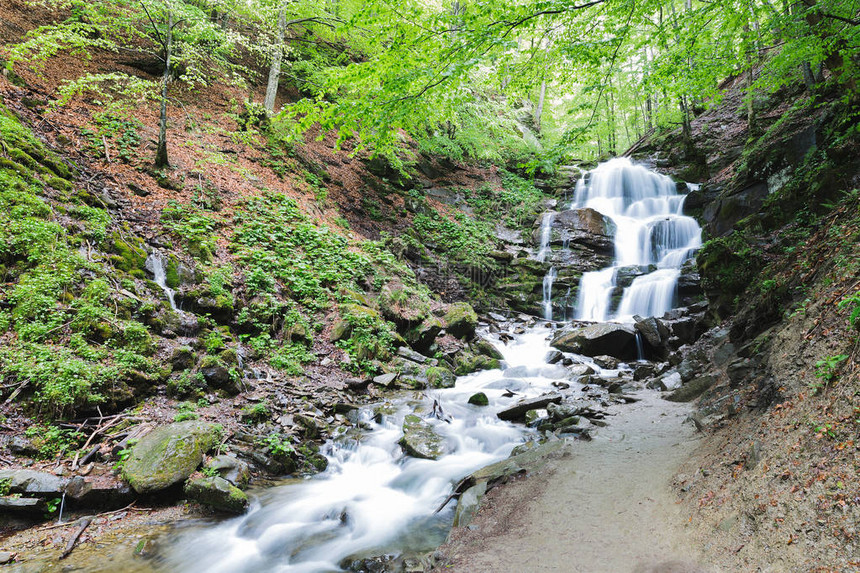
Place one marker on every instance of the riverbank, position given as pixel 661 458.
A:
pixel 605 505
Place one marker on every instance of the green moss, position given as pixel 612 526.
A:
pixel 129 254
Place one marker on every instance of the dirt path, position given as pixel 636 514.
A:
pixel 602 506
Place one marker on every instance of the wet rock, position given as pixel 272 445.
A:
pixel 617 340
pixel 553 357
pixel 231 468
pixel 607 362
pixel 309 425
pixel 410 354
pixel 578 370
pixel 467 362
pixel 688 369
pixel 419 440
pixel 643 371
pixel 33 483
pixel 422 337
pixel 484 347
pixel 386 379
pixel 692 389
pixel 739 370
pixel 219 378
pixel 182 358
pixel 218 493
pixel 28 505
pixel 652 330
pixel 468 504
pixel 517 412
pixel 168 455
pixel 461 320
pixel 479 399
pixel 438 377
pixel 585 227
pixel 21 446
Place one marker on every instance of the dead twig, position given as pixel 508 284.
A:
pixel 70 546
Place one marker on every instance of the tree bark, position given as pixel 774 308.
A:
pixel 161 159
pixel 277 58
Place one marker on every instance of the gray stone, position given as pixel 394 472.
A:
pixel 597 339
pixel 218 493
pixel 22 505
pixel 653 331
pixel 232 469
pixel 21 446
pixel 484 347
pixel 688 369
pixel 607 362
pixel 419 440
pixel 739 370
pixel 410 354
pixel 33 483
pixel 385 379
pixel 579 370
pixel 553 357
pixel 422 337
pixel 438 377
pixel 468 504
pixel 517 412
pixel 692 389
pixel 168 455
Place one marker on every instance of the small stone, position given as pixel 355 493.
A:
pixel 6 557
pixel 479 399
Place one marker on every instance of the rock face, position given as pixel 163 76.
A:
pixel 168 455
pixel 617 340
pixel 217 492
pixel 585 227
pixel 419 440
pixel 33 483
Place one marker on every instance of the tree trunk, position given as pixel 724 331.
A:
pixel 161 153
pixel 277 57
pixel 539 108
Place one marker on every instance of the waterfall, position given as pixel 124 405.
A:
pixel 545 235
pixel 547 292
pixel 651 232
pixel 155 263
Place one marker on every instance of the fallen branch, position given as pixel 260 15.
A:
pixel 70 546
pixel 129 507
pixel 97 431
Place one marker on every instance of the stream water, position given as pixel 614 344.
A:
pixel 373 500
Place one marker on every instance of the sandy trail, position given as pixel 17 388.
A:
pixel 602 506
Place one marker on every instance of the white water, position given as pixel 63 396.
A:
pixel 373 500
pixel 156 264
pixel 651 229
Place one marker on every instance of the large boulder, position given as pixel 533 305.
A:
pixel 218 493
pixel 585 227
pixel 33 483
pixel 461 320
pixel 419 440
pixel 422 337
pixel 611 339
pixel 168 455
pixel 517 412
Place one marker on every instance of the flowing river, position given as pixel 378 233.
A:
pixel 373 500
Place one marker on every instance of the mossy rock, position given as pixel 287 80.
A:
pixel 479 399
pixel 218 493
pixel 419 440
pixel 129 255
pixel 422 337
pixel 438 377
pixel 468 362
pixel 168 455
pixel 461 320
pixel 182 358
pixel 484 347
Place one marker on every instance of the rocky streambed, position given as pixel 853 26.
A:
pixel 385 500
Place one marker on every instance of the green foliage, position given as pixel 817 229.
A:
pixel 53 441
pixel 852 303
pixel 289 358
pixel 728 265
pixel 277 445
pixel 370 337
pixel 518 199
pixel 827 369
pixel 185 411
pixel 253 413
pixel 113 135
pixel 460 239
pixel 193 226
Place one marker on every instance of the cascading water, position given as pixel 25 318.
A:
pixel 155 264
pixel 545 238
pixel 651 233
pixel 373 500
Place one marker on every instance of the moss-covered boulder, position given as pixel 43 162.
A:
pixel 439 377
pixel 168 455
pixel 479 399
pixel 422 337
pixel 461 320
pixel 419 440
pixel 468 362
pixel 218 493
pixel 484 347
